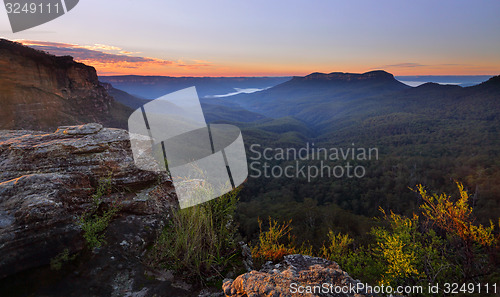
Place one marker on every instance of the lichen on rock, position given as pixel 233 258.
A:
pixel 294 272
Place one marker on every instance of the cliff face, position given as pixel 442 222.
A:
pixel 39 91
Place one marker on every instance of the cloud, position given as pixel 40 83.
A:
pixel 106 57
pixel 44 43
pixel 103 47
pixel 84 54
pixel 129 53
pixel 454 64
pixel 403 65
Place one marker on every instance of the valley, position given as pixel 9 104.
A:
pixel 334 159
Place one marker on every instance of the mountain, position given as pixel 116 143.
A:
pixel 491 84
pixel 123 97
pixel 152 87
pixel 431 135
pixel 414 109
pixel 317 97
pixel 460 80
pixel 220 114
pixel 39 91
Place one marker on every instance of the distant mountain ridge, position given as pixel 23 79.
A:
pixel 39 91
pixel 152 87
pixel 492 83
pixel 124 97
pixel 337 107
pixel 309 98
pixel 343 76
pixel 460 80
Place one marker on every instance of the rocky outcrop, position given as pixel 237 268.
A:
pixel 47 181
pixel 296 275
pixel 39 91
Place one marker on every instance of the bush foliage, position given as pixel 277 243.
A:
pixel 200 241
pixel 95 220
pixel 442 245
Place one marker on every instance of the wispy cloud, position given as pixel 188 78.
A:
pixel 109 59
pixel 455 64
pixel 403 65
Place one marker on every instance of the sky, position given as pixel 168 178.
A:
pixel 274 38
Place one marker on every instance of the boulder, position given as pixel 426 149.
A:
pixel 296 275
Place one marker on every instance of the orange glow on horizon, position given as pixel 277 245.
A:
pixel 242 72
pixel 113 60
pixel 268 69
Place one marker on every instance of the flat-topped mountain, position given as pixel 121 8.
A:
pixel 317 97
pixel 376 75
pixel 39 91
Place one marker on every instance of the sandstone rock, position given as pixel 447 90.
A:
pixel 47 180
pixel 294 271
pixel 80 130
pixel 46 183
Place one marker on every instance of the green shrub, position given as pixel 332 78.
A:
pixel 199 241
pixel 95 220
pixel 338 246
pixel 58 261
pixel 470 246
pixel 448 247
pixel 455 217
pixel 274 244
pixel 396 248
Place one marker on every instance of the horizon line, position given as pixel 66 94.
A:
pixel 259 76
